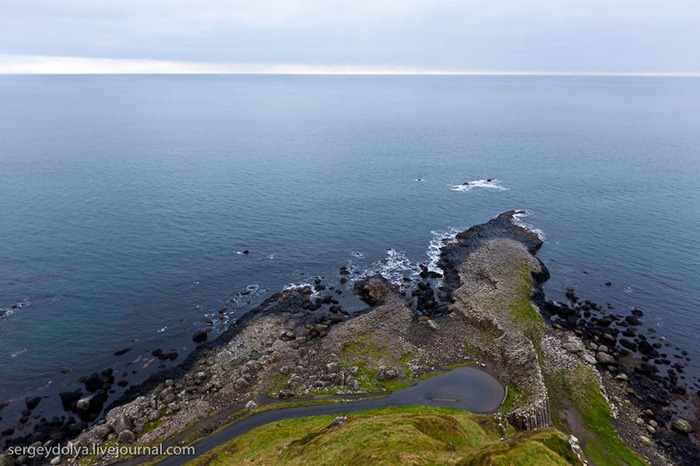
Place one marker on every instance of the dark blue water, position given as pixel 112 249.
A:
pixel 124 200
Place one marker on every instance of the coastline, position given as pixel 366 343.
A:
pixel 423 329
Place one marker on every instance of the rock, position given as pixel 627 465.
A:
pixel 647 348
pixel 69 399
pixel 630 345
pixel 123 422
pixel 83 404
pixel 32 402
pixel 622 377
pixel 682 425
pixel 92 382
pixel 352 383
pixel 126 436
pixel 340 420
pixel 103 431
pixel 199 336
pixel 573 347
pixel 286 394
pixel 333 367
pixel 321 328
pixel 284 370
pixel 386 373
pixel 589 358
pixel 604 358
pixel 646 441
pixel 602 349
pixel 7 460
pixel 632 320
pixel 432 324
pixel 55 461
pixel 651 430
pixel 91 404
pixel 242 382
pixel 251 405
pixel 121 351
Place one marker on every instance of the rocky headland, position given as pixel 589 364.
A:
pixel 572 370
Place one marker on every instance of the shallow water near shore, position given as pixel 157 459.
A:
pixel 127 202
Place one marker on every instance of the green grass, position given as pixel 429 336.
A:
pixel 364 348
pixel 536 448
pixel 514 398
pixel 392 435
pixel 601 443
pixel 276 382
pixel 523 313
pixel 150 426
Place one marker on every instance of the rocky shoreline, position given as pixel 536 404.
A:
pixel 302 343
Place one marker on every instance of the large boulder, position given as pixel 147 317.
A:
pixel 127 436
pixel 32 402
pixel 682 425
pixel 199 336
pixel 604 358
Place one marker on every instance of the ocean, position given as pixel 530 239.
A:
pixel 127 202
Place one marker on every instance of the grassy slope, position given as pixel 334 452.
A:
pixel 580 388
pixel 393 435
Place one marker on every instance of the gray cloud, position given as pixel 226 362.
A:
pixel 531 35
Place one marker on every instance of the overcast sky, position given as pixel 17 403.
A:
pixel 575 36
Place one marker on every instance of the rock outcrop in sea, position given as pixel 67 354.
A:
pixel 484 308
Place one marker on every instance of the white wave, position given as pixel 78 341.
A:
pixel 419 180
pixel 518 220
pixel 394 267
pixel 358 255
pixel 440 239
pixel 9 310
pixel 18 353
pixel 247 295
pixel 297 286
pixel 489 183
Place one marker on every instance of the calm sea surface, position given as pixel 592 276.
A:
pixel 125 202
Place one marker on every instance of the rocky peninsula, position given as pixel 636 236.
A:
pixel 583 385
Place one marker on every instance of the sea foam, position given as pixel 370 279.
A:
pixel 518 220
pixel 489 183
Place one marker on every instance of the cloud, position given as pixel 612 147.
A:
pixel 549 35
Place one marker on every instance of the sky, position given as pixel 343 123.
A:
pixel 351 36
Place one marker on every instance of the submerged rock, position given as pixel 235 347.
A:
pixel 199 336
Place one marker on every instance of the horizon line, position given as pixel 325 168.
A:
pixel 65 65
pixel 573 74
